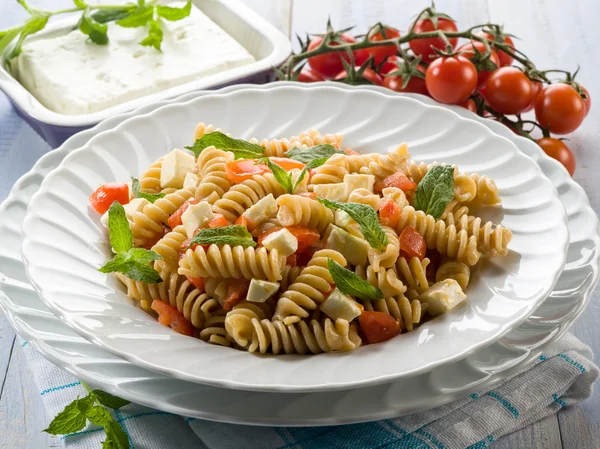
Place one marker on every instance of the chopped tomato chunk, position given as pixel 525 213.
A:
pixel 310 195
pixel 170 316
pixel 286 163
pixel 242 221
pixel 199 283
pixel 218 221
pixel 243 169
pixel 390 213
pixel 304 256
pixel 350 152
pixel 398 179
pixel 291 260
pixel 412 244
pixel 378 326
pixel 305 236
pixel 175 219
pixel 184 247
pixel 237 289
pixel 107 194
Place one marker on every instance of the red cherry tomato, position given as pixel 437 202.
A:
pixel 451 79
pixel 508 91
pixel 422 47
pixel 587 100
pixel 175 218
pixel 558 150
pixel 559 108
pixel 329 64
pixel 310 76
pixel 106 194
pixel 304 256
pixel 505 58
pixel 170 316
pixel 537 88
pixel 237 290
pixel 469 104
pixel 199 283
pixel 381 53
pixel 244 169
pixel 469 51
pixel 377 327
pixel 412 244
pixel 390 65
pixel 305 236
pixel 399 180
pixel 369 74
pixel 390 213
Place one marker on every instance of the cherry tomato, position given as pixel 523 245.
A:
pixel 587 100
pixel 412 244
pixel 390 213
pixel 378 326
pixel 399 180
pixel 505 58
pixel 243 169
pixel 508 91
pixel 291 260
pixel 286 163
pixel 469 104
pixel 381 53
pixel 559 108
pixel 175 218
pixel 537 88
pixel 243 221
pixel 199 283
pixel 170 316
pixel 309 76
pixel 558 150
pixel 469 51
pixel 311 195
pixel 390 65
pixel 106 194
pixel 368 74
pixel 422 47
pixel 218 221
pixel 451 79
pixel 304 256
pixel 330 64
pixel 237 289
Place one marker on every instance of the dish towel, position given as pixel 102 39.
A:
pixel 563 375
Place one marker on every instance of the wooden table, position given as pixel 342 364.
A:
pixel 555 33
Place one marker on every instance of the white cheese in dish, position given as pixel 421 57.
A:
pixel 69 75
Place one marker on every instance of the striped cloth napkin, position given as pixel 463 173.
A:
pixel 562 376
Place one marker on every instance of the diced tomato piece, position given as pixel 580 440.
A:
pixel 412 244
pixel 311 195
pixel 218 221
pixel 286 163
pixel 398 179
pixel 304 256
pixel 237 290
pixel 170 316
pixel 266 233
pixel 243 169
pixel 175 219
pixel 291 260
pixel 390 213
pixel 377 327
pixel 184 247
pixel 107 194
pixel 350 152
pixel 305 236
pixel 199 283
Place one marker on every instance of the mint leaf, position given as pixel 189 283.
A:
pixel 141 272
pixel 121 237
pixel 281 176
pixel 35 12
pixel 242 149
pixel 68 421
pixel 116 265
pixel 234 235
pixel 143 255
pixel 110 15
pixel 32 26
pixel 435 190
pixel 155 35
pixel 366 217
pixel 97 32
pixel 138 18
pixel 315 163
pixel 116 436
pixel 80 4
pixel 137 193
pixel 307 155
pixel 174 14
pixel 7 36
pixel 351 284
pixel 108 400
pixel 96 414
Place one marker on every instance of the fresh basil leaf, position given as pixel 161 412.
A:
pixel 155 35
pixel 97 32
pixel 116 436
pixel 96 414
pixel 68 421
pixel 435 190
pixel 110 15
pixel 242 149
pixel 142 272
pixel 137 193
pixel 138 18
pixel 366 217
pixel 174 14
pixel 281 176
pixel 307 155
pixel 234 235
pixel 32 26
pixel 315 163
pixel 121 237
pixel 143 255
pixel 108 400
pixel 350 283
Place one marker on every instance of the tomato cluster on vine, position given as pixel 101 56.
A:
pixel 478 75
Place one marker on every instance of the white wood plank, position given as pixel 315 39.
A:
pixel 7 339
pixel 543 434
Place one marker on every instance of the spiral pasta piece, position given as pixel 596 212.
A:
pixel 244 195
pixel 453 212
pixel 232 262
pixel 268 225
pixel 150 180
pixel 491 239
pixel 395 194
pixel 312 138
pixel 214 330
pixel 465 188
pixel 214 182
pixel 413 273
pixel 169 248
pixel 274 147
pixel 452 269
pixel 309 289
pixel 386 280
pixel 386 258
pixel 289 276
pixel 202 129
pixel 365 196
pixel 295 210
pixel 387 164
pixel 487 190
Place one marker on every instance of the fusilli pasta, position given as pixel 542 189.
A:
pixel 296 210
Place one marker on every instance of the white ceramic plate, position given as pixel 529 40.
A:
pixel 64 241
pixel 36 323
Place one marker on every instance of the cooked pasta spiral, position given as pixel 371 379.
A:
pixel 214 330
pixel 491 239
pixel 395 194
pixel 214 182
pixel 150 180
pixel 386 280
pixel 408 313
pixel 413 273
pixel 169 248
pixel 454 211
pixel 274 147
pixel 487 190
pixel 387 164
pixel 386 258
pixel 458 271
pixel 268 225
pixel 289 276
pixel 309 289
pixel 295 210
pixel 365 196
pixel 313 138
pixel 202 129
pixel 232 262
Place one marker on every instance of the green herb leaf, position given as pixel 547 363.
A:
pixel 97 32
pixel 155 35
pixel 351 284
pixel 143 255
pixel 242 149
pixel 309 154
pixel 281 176
pixel 116 265
pixel 138 18
pixel 143 273
pixel 110 15
pixel 32 26
pixel 137 193
pixel 35 12
pixel 96 414
pixel 116 436
pixel 80 4
pixel 68 421
pixel 234 235
pixel 121 237
pixel 174 14
pixel 366 217
pixel 108 400
pixel 315 163
pixel 7 36
pixel 435 190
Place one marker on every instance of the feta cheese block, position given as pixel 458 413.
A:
pixel 260 291
pixel 283 241
pixel 196 216
pixel 257 213
pixel 354 249
pixel 442 297
pixel 334 192
pixel 176 165
pixel 337 305
pixel 70 75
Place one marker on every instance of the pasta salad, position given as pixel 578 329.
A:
pixel 296 245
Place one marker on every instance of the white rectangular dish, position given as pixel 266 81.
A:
pixel 262 40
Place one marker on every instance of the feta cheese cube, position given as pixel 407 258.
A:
pixel 260 291
pixel 191 181
pixel 354 249
pixel 443 296
pixel 334 192
pixel 338 305
pixel 175 166
pixel 355 181
pixel 261 211
pixel 283 241
pixel 196 216
pixel 364 196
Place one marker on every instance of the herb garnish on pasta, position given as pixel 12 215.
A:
pixel 235 235
pixel 242 149
pixel 137 193
pixel 435 190
pixel 349 283
pixel 310 154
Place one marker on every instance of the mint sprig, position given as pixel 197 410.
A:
pixel 283 177
pixel 315 163
pixel 91 408
pixel 366 217
pixel 350 283
pixel 234 235
pixel 435 190
pixel 137 193
pixel 130 261
pixel 307 155
pixel 241 149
